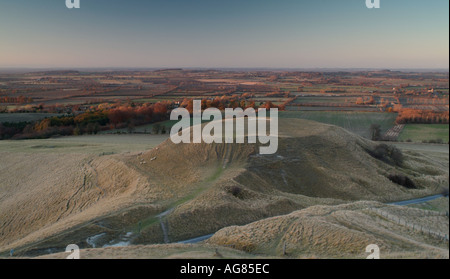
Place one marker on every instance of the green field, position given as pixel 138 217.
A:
pixel 356 122
pixel 334 100
pixel 24 117
pixel 425 132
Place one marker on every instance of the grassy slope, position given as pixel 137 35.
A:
pixel 94 144
pixel 316 164
pixel 440 205
pixel 342 231
pixel 355 122
pixel 171 251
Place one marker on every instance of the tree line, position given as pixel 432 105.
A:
pixel 416 116
pixel 15 100
pixel 106 117
pixel 89 122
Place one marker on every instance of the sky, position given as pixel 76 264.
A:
pixel 225 34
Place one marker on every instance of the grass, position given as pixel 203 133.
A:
pixel 332 100
pixel 356 122
pixel 169 251
pixel 156 99
pixel 216 175
pixel 425 132
pixel 337 232
pixel 180 174
pixel 152 220
pixel 144 224
pixel 148 128
pixel 439 205
pixel 24 117
pixel 94 144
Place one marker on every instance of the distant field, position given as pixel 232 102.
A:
pixel 341 100
pixel 24 117
pixel 156 99
pixel 356 122
pixel 425 132
pixel 147 129
pixel 335 109
pixel 144 128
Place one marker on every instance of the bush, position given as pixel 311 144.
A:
pixel 402 180
pixel 375 130
pixel 388 153
pixel 235 191
pixel 436 141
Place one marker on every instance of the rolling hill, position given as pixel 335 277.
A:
pixel 176 192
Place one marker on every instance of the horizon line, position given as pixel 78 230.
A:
pixel 50 68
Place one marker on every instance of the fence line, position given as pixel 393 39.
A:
pixel 413 226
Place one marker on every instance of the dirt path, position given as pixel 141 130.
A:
pixel 164 226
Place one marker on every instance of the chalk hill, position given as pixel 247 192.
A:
pixel 176 192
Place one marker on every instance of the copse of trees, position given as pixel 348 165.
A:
pixel 111 116
pixel 89 122
pixel 98 117
pixel 148 113
pixel 9 130
pixel 415 116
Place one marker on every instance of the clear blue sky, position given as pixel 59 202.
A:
pixel 225 33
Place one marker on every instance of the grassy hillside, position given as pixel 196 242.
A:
pixel 87 144
pixel 355 122
pixel 176 192
pixel 170 251
pixel 342 232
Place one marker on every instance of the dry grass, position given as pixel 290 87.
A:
pixel 339 232
pixel 50 199
pixel 87 144
pixel 171 251
pixel 439 205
